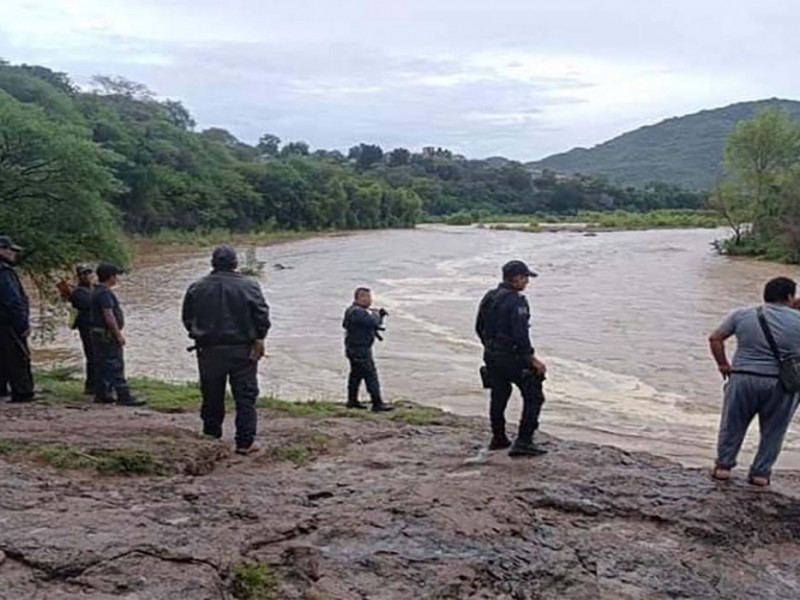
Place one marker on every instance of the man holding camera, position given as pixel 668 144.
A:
pixel 502 325
pixel 363 325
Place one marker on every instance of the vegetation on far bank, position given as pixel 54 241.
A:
pixel 622 220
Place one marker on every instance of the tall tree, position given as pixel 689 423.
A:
pixel 269 144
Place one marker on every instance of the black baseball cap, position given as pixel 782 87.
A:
pixel 516 267
pixel 106 270
pixel 81 269
pixel 5 242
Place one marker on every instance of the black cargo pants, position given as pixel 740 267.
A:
pixel 109 367
pixel 507 370
pixel 218 365
pixel 16 364
pixel 362 368
pixel 90 384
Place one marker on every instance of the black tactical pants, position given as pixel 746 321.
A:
pixel 16 364
pixel 217 366
pixel 109 367
pixel 505 370
pixel 86 341
pixel 362 368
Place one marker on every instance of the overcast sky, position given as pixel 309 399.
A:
pixel 518 78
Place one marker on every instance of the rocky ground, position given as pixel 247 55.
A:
pixel 105 502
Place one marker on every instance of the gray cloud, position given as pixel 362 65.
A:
pixel 518 78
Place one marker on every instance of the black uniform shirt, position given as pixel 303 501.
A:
pixel 503 322
pixel 81 300
pixel 14 306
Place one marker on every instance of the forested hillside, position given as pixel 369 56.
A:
pixel 685 151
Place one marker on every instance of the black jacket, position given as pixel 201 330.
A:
pixel 225 308
pixel 14 305
pixel 362 327
pixel 503 322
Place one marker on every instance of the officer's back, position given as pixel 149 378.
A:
pixel 225 308
pixel 503 322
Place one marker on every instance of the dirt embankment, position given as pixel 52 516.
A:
pixel 100 502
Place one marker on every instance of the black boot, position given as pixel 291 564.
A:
pixel 355 404
pixel 499 442
pixel 124 398
pixel 526 448
pixel 381 406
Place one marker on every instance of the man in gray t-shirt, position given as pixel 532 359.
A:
pixel 752 386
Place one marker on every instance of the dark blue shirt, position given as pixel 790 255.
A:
pixel 103 298
pixel 14 305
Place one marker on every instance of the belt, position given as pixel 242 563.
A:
pixel 753 374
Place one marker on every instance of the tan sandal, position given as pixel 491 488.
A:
pixel 720 474
pixel 758 480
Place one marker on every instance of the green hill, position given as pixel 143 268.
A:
pixel 684 151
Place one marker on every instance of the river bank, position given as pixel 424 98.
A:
pixel 102 502
pixel 627 352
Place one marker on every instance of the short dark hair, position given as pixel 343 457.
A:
pixel 779 289
pixel 361 290
pixel 106 271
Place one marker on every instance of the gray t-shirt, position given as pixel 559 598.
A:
pixel 753 353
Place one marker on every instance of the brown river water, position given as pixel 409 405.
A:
pixel 621 319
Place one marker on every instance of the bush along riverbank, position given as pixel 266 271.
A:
pixel 103 501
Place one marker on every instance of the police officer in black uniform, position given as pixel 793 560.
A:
pixel 503 327
pixel 15 358
pixel 80 297
pixel 108 341
pixel 227 316
pixel 363 326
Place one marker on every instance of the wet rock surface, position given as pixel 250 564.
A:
pixel 378 509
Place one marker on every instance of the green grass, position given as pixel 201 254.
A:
pixel 63 385
pixel 304 452
pixel 253 581
pixel 115 461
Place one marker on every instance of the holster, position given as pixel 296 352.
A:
pixel 486 378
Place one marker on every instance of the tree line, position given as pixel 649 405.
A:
pixel 79 166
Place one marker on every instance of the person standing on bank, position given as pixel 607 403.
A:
pixel 80 297
pixel 108 341
pixel 15 327
pixel 752 382
pixel 362 326
pixel 502 325
pixel 225 313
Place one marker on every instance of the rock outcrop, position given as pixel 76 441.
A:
pixel 345 508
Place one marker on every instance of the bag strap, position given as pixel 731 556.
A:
pixel 762 319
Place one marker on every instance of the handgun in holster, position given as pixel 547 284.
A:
pixel 486 378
